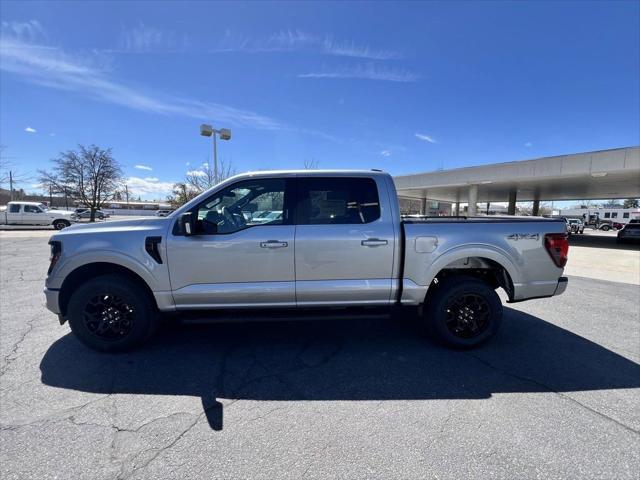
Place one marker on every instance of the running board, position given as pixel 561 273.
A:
pixel 221 316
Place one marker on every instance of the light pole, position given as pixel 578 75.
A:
pixel 209 131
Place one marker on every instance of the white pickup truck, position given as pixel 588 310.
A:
pixel 340 247
pixel 35 213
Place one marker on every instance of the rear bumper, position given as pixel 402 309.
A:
pixel 535 290
pixel 51 296
pixel 563 282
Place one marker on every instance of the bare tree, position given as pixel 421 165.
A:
pixel 181 194
pixel 203 178
pixel 526 208
pixel 91 173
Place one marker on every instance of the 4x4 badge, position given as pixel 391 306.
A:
pixel 524 236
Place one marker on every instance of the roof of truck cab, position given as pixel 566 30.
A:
pixel 333 172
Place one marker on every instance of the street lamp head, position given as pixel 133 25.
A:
pixel 225 134
pixel 206 130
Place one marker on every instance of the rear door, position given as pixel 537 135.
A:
pixel 344 242
pixel 14 214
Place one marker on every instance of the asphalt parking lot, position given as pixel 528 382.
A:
pixel 555 395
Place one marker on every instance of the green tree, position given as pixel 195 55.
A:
pixel 631 203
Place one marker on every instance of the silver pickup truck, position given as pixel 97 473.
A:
pixel 340 247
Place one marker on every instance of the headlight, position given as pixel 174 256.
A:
pixel 56 251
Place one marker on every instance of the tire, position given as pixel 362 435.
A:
pixel 60 224
pixel 111 313
pixel 605 228
pixel 479 312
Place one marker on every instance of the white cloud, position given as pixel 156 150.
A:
pixel 151 179
pixel 30 130
pixel 426 138
pixel 30 31
pixel 148 187
pixel 350 49
pixel 385 153
pixel 528 144
pixel 367 71
pixel 144 38
pixel 143 167
pixel 294 41
pixel 54 68
pixel 197 173
pixel 188 163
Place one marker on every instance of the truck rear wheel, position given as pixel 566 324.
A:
pixel 111 313
pixel 463 312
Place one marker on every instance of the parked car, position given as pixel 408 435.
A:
pixel 630 233
pixel 84 213
pixel 341 248
pixel 163 213
pixel 575 226
pixel 35 213
pixel 267 217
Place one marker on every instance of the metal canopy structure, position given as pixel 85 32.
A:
pixel 605 174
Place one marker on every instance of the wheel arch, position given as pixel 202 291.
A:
pixel 491 266
pixel 96 269
pixel 67 221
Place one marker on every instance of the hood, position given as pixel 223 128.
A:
pixel 55 211
pixel 114 226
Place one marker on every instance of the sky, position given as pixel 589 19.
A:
pixel 404 87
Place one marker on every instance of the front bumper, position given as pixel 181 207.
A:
pixel 51 296
pixel 563 282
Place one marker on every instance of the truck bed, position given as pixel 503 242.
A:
pixel 516 244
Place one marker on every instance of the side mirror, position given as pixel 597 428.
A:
pixel 186 224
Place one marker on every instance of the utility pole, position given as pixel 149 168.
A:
pixel 126 193
pixel 50 197
pixel 11 185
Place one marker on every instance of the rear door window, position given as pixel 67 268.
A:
pixel 337 201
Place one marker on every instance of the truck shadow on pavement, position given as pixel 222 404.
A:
pixel 340 360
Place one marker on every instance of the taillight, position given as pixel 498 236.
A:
pixel 56 251
pixel 557 244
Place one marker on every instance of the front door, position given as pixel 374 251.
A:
pixel 344 242
pixel 242 253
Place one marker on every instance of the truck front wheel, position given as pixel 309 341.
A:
pixel 111 313
pixel 463 312
pixel 60 224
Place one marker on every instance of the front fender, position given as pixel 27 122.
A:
pixel 154 274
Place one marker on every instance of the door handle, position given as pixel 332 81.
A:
pixel 373 242
pixel 273 244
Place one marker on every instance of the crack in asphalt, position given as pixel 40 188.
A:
pixel 11 357
pixel 552 390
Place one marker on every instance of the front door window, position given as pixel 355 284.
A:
pixel 245 204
